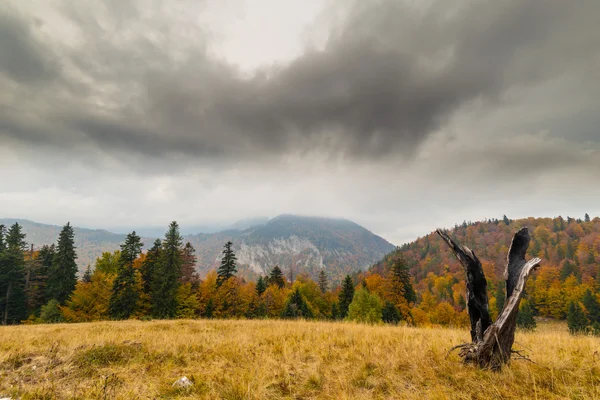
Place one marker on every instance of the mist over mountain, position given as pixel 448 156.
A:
pixel 298 244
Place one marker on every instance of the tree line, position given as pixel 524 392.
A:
pixel 42 286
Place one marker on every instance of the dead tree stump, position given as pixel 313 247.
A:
pixel 491 345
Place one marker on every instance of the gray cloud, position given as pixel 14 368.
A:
pixel 387 78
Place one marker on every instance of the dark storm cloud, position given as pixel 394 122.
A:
pixel 386 79
pixel 22 57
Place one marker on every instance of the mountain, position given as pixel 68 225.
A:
pixel 296 243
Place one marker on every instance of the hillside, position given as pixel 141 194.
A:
pixel 282 359
pixel 569 249
pixel 302 244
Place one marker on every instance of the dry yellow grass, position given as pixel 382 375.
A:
pixel 281 359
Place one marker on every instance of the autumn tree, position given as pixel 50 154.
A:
pixel 365 307
pixel 108 263
pixel 62 275
pixel 188 305
pixel 124 293
pixel 188 266
pixel 346 296
pixel 90 300
pixel 323 281
pixel 228 266
pixel 276 277
pixel 167 274
pixel 13 306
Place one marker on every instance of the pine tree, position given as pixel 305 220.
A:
pixel 390 314
pixel 13 304
pixel 125 295
pixel 500 297
pixel 587 217
pixel 228 266
pixel 188 268
pixel 261 286
pixel 62 275
pixel 525 318
pixel 87 275
pixel 346 296
pixel 276 277
pixel 149 265
pixel 399 284
pixel 576 319
pixel 506 220
pixel 167 275
pixel 590 302
pixel 296 307
pixel 323 283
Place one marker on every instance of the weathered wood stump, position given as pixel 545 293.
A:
pixel 491 345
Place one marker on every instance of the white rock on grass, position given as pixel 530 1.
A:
pixel 180 383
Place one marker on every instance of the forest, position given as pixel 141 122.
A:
pixel 419 283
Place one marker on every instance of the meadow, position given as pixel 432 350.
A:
pixel 274 359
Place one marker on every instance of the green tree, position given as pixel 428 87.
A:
pixel 323 281
pixel 87 275
pixel 346 296
pixel 400 281
pixel 62 276
pixel 365 307
pixel 576 319
pixel 167 275
pixel 525 318
pixel 188 267
pixel 125 294
pixel 587 217
pixel 228 266
pixel 188 305
pixel 13 304
pixel 500 297
pixel 590 302
pixel 261 286
pixel 390 314
pixel 276 277
pixel 296 307
pixel 109 262
pixel 50 313
pixel 149 265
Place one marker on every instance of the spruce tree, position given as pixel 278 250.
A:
pixel 87 275
pixel 276 277
pixel 124 294
pixel 587 217
pixel 500 297
pixel 576 319
pixel 323 283
pixel 149 265
pixel 400 284
pixel 188 267
pixel 296 307
pixel 13 305
pixel 167 275
pixel 525 318
pixel 228 266
pixel 261 286
pixel 390 314
pixel 62 275
pixel 346 296
pixel 590 302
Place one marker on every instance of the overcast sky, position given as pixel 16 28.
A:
pixel 401 116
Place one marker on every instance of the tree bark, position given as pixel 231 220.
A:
pixel 491 345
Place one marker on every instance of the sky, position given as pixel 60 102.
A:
pixel 402 116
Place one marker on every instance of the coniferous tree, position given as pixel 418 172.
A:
pixel 500 297
pixel 576 319
pixel 167 275
pixel 323 282
pixel 390 314
pixel 62 275
pixel 587 217
pixel 506 220
pixel 261 286
pixel 87 275
pixel 228 266
pixel 149 265
pixel 525 318
pixel 13 304
pixel 400 284
pixel 346 296
pixel 276 277
pixel 296 307
pixel 125 294
pixel 590 302
pixel 188 267
pixel 335 310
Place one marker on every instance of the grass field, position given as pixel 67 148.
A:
pixel 280 359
